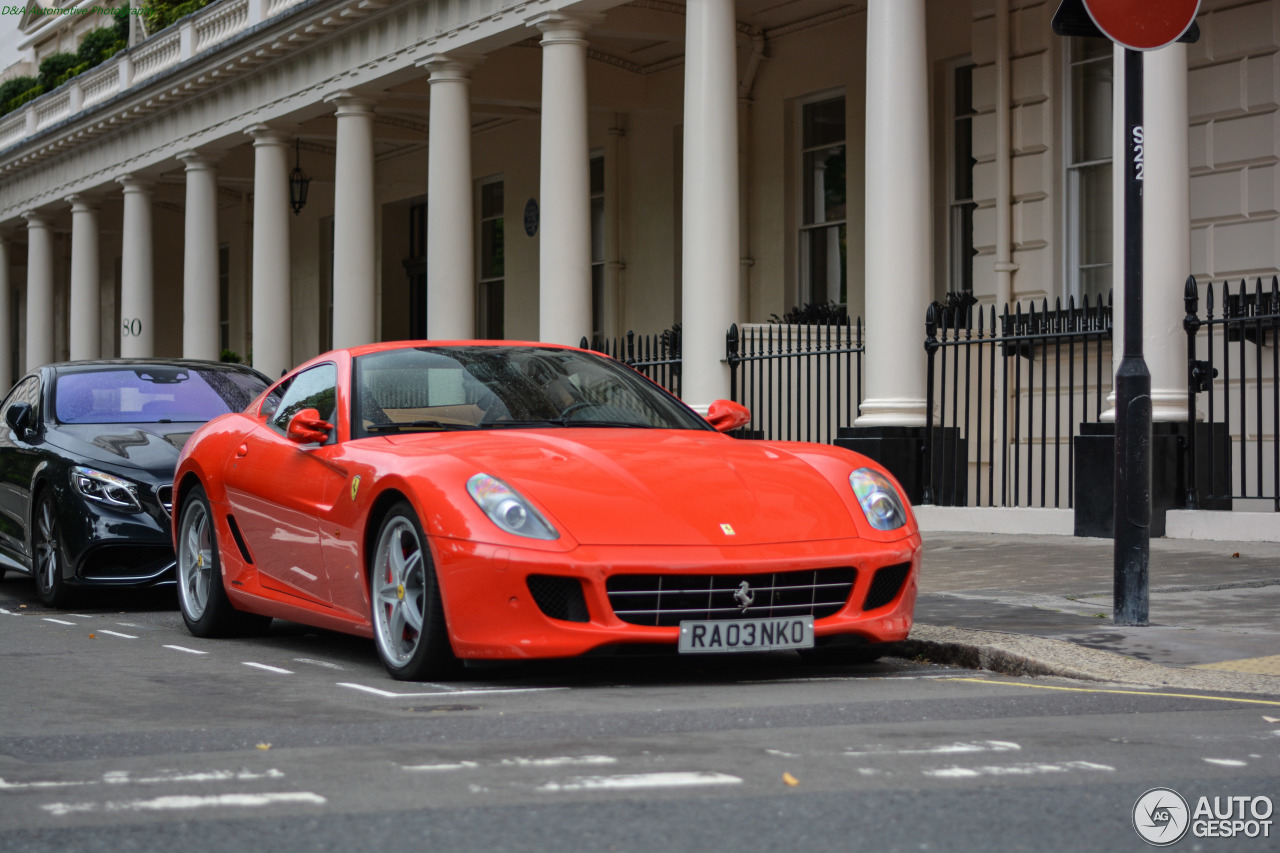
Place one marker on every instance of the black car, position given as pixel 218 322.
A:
pixel 87 454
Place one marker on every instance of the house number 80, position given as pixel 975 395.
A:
pixel 131 328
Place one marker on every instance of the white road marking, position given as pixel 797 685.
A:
pixel 117 634
pixel 780 754
pixel 174 803
pixel 58 621
pixel 633 781
pixel 122 777
pixel 1226 762
pixel 388 694
pixel 559 761
pixel 431 768
pixel 1014 770
pixel 187 650
pixel 267 668
pixel 944 749
pixel 324 663
pixel 4 612
pixel 79 615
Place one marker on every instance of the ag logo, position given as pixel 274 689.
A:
pixel 1161 817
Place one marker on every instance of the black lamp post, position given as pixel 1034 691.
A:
pixel 299 182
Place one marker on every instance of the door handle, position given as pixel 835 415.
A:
pixel 242 451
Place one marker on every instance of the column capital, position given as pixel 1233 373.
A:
pixel 136 184
pixel 198 160
pixel 37 219
pixel 265 134
pixel 564 27
pixel 348 103
pixel 451 67
pixel 82 203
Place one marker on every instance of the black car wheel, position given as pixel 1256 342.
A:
pixel 48 560
pixel 408 614
pixel 201 596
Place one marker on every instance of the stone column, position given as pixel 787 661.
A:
pixel 39 290
pixel 137 284
pixel 6 322
pixel 899 263
pixel 710 267
pixel 451 277
pixel 201 312
pixel 272 325
pixel 564 248
pixel 1166 245
pixel 354 250
pixel 86 308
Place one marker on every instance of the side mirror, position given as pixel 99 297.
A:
pixel 18 417
pixel 726 415
pixel 306 428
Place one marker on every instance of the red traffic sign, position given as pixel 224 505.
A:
pixel 1143 24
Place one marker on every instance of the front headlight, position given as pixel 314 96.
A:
pixel 107 489
pixel 879 499
pixel 508 509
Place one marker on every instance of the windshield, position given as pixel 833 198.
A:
pixel 152 393
pixel 498 387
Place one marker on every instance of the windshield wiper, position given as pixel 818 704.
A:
pixel 396 427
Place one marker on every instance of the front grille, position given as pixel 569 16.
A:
pixel 886 585
pixel 127 563
pixel 559 598
pixel 668 599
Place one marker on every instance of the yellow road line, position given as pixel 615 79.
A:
pixel 1121 692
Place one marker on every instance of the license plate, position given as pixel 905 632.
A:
pixel 713 636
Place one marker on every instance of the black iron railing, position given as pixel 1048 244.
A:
pixel 1239 382
pixel 656 356
pixel 801 382
pixel 1009 391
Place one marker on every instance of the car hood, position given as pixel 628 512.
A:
pixel 151 447
pixel 649 487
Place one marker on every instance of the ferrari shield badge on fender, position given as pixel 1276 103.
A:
pixel 355 486
pixel 727 529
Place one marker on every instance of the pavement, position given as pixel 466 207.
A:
pixel 1042 605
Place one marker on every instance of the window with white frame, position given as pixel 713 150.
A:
pixel 597 246
pixel 492 263
pixel 1090 83
pixel 823 224
pixel 960 196
pixel 224 297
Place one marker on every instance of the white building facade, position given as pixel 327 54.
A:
pixel 551 170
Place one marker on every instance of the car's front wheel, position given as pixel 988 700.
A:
pixel 48 560
pixel 201 596
pixel 408 613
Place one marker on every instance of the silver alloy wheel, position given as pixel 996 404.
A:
pixel 195 559
pixel 46 547
pixel 399 591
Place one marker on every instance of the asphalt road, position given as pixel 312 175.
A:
pixel 122 732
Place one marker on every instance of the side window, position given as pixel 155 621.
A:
pixel 317 389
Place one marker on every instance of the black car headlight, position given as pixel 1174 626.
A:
pixel 508 509
pixel 879 499
pixel 106 489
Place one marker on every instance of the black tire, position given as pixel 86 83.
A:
pixel 202 597
pixel 404 598
pixel 48 558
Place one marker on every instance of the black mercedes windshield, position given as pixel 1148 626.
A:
pixel 152 393
pixel 506 387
